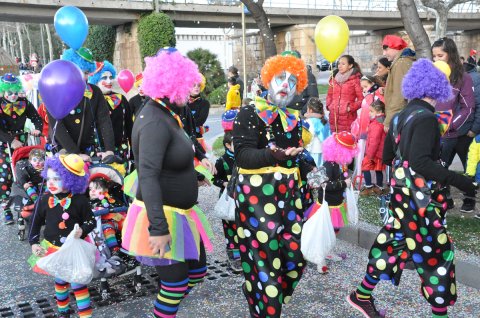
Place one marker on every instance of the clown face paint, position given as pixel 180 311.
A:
pixel 282 89
pixel 105 83
pixel 37 163
pixel 11 96
pixel 195 90
pixel 54 182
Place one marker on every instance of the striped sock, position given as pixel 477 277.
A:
pixel 32 193
pixel 364 291
pixel 61 295
pixel 169 298
pixel 110 238
pixel 195 276
pixel 439 312
pixel 236 253
pixel 82 296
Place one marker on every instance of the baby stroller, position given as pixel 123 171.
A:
pixel 109 264
pixel 20 201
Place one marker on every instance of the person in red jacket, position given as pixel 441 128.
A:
pixel 344 95
pixel 374 150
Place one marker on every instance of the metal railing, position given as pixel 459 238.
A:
pixel 347 5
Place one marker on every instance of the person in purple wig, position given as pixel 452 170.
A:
pixel 416 226
pixel 63 206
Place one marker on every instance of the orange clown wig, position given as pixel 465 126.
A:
pixel 280 63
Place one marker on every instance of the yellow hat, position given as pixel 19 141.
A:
pixel 444 68
pixel 73 163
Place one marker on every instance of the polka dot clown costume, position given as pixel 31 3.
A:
pixel 59 210
pixel 416 227
pixel 118 107
pixel 14 112
pixel 269 213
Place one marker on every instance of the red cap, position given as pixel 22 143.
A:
pixel 473 52
pixel 394 42
pixel 345 139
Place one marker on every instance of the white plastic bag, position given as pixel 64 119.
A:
pixel 352 206
pixel 318 236
pixel 73 262
pixel 225 207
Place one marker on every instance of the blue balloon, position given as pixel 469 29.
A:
pixel 71 25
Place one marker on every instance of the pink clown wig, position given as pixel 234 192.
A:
pixel 170 75
pixel 335 152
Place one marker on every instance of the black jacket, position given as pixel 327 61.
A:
pixel 164 160
pixel 11 125
pixel 122 121
pixel 420 146
pixel 335 185
pixel 79 212
pixel 96 115
pixel 224 166
pixel 200 108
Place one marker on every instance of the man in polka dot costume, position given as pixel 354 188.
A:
pixel 416 227
pixel 267 141
pixel 14 112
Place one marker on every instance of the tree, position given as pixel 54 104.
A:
pixel 441 9
pixel 20 41
pixel 27 32
pixel 209 66
pixel 414 27
pixel 260 17
pixel 155 30
pixel 49 41
pixel 101 40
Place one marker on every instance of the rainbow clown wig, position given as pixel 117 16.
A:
pixel 170 75
pixel 106 67
pixel 288 62
pixel 82 58
pixel 340 148
pixel 72 182
pixel 425 80
pixel 10 83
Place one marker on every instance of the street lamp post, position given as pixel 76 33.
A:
pixel 244 53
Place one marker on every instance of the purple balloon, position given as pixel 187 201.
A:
pixel 61 87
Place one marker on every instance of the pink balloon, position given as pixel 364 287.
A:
pixel 125 79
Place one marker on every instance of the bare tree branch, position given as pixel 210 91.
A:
pixel 260 17
pixel 453 3
pixel 414 27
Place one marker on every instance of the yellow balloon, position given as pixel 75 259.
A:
pixel 444 68
pixel 331 37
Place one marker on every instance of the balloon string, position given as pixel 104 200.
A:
pixel 54 143
pixel 330 78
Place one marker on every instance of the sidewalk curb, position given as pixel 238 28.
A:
pixel 466 273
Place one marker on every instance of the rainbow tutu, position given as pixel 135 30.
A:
pixel 338 214
pixel 188 228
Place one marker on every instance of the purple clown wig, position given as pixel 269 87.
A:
pixel 425 80
pixel 336 152
pixel 170 75
pixel 71 182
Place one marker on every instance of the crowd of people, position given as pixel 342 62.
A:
pixel 406 121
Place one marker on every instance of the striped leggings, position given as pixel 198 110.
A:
pixel 176 282
pixel 82 297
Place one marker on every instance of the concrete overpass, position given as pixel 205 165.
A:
pixel 192 14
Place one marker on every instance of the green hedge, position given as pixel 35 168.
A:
pixel 218 96
pixel 209 66
pixel 155 30
pixel 101 41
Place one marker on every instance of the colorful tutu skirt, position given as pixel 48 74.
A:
pixel 338 214
pixel 33 259
pixel 188 229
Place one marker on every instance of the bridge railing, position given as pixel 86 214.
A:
pixel 347 5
